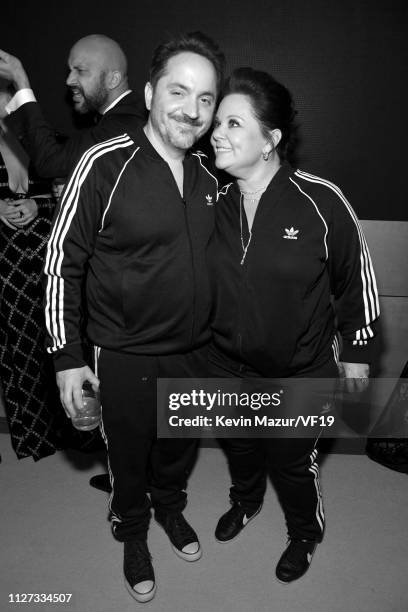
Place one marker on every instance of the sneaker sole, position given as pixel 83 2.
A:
pixel 186 556
pixel 287 582
pixel 241 530
pixel 141 597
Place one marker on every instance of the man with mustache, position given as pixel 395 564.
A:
pixel 99 85
pixel 133 225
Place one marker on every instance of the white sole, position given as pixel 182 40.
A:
pixel 186 556
pixel 141 597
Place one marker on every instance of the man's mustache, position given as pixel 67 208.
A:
pixel 188 120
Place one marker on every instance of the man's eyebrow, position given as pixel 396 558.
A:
pixel 185 88
pixel 79 64
pixel 179 85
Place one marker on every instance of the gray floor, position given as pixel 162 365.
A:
pixel 55 539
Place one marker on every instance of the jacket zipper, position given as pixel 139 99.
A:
pixel 193 271
pixel 239 334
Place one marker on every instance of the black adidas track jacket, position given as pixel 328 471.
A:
pixel 272 286
pixel 124 235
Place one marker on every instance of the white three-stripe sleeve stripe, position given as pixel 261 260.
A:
pixel 97 352
pixel 55 253
pixel 115 185
pixel 370 293
pixel 54 256
pixel 318 212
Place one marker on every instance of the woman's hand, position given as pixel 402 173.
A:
pixel 4 207
pixel 356 375
pixel 4 220
pixel 21 213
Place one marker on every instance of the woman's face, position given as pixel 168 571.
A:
pixel 237 138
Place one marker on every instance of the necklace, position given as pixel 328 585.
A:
pixel 248 200
pixel 244 246
pixel 254 196
pixel 252 193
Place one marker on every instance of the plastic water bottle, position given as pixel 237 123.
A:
pixel 89 416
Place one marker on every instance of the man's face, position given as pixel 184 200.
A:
pixel 182 102
pixel 87 79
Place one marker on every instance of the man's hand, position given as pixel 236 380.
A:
pixel 70 386
pixel 21 212
pixel 12 69
pixel 356 376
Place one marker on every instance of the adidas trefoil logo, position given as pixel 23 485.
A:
pixel 209 200
pixel 291 234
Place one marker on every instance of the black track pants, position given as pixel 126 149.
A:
pixel 137 459
pixel 290 462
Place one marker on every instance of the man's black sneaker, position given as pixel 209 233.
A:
pixel 138 570
pixel 182 536
pixel 232 522
pixel 295 560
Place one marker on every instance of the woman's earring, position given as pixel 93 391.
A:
pixel 266 155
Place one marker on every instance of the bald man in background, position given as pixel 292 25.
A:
pixel 98 83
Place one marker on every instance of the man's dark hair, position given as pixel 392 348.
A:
pixel 193 42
